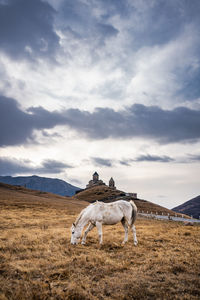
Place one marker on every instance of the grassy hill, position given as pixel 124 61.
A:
pixel 38 262
pixel 18 196
pixel 106 194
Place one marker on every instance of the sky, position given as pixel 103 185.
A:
pixel 103 85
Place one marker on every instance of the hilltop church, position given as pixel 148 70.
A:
pixel 96 181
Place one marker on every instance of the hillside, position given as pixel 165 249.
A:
pixel 17 196
pixel 21 196
pixel 190 207
pixel 106 194
pixel 37 260
pixel 51 185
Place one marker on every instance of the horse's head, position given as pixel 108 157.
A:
pixel 75 234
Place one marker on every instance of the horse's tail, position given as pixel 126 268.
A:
pixel 134 212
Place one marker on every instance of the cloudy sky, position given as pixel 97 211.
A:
pixel 103 85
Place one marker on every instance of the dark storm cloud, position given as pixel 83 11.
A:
pixel 15 124
pixel 12 166
pixel 114 7
pixel 102 161
pixel 166 126
pixel 17 127
pixel 26 29
pixel 79 18
pixel 126 162
pixel 191 87
pixel 151 22
pixel 138 121
pixel 147 158
pixel 153 158
pixel 9 166
pixel 194 158
pixel 107 30
pixel 53 166
pixel 158 22
pixel 163 20
pixel 144 24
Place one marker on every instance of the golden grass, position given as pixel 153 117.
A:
pixel 38 262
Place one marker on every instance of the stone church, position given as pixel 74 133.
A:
pixel 95 181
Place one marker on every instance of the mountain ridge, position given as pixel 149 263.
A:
pixel 190 207
pixel 43 184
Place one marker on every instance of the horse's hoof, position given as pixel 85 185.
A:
pixel 82 243
pixel 135 243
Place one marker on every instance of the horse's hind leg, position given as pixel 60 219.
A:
pixel 89 228
pixel 99 228
pixel 125 225
pixel 134 235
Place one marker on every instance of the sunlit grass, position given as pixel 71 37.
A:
pixel 38 262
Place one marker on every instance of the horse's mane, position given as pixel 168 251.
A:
pixel 82 212
pixel 79 216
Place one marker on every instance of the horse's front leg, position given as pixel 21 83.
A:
pixel 99 228
pixel 89 228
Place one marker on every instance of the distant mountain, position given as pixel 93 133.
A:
pixel 191 207
pixel 51 185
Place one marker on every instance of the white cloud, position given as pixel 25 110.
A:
pixel 160 71
pixel 113 57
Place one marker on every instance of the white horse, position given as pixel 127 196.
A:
pixel 100 213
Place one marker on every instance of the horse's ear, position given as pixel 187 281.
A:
pixel 74 224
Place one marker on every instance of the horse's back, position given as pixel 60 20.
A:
pixel 110 213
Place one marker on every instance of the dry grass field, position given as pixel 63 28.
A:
pixel 38 262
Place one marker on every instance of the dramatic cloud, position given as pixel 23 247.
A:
pixel 26 29
pixel 171 17
pixel 84 21
pixel 137 17
pixel 166 126
pixel 194 158
pixel 154 158
pixel 126 162
pixel 11 166
pixel 147 158
pixel 109 84
pixel 102 162
pixel 51 166
pixel 17 126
